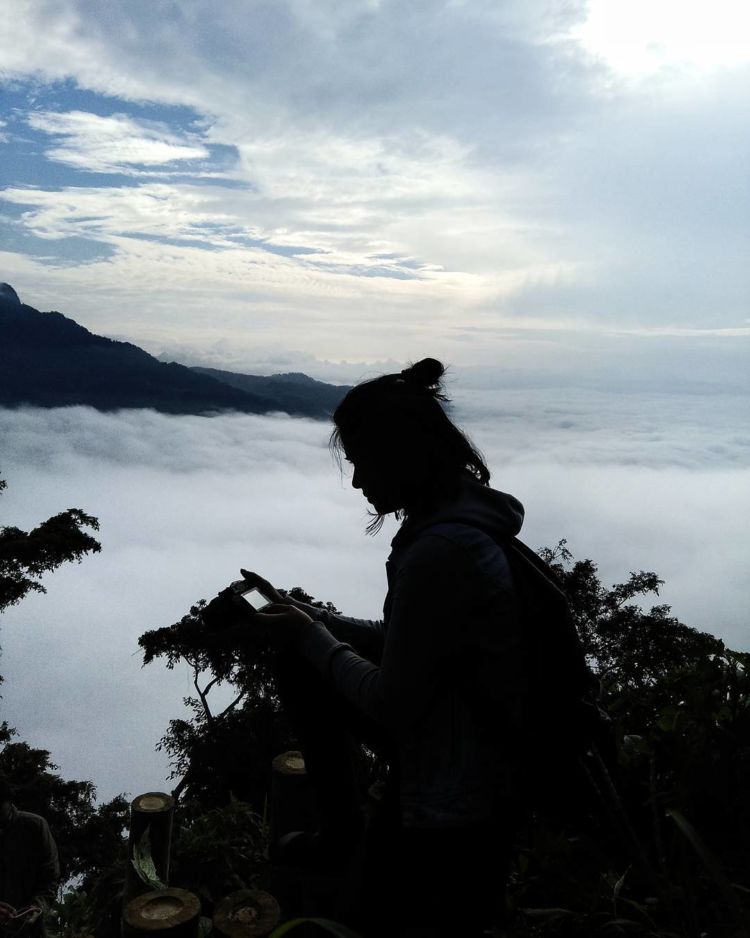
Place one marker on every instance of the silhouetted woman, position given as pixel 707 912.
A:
pixel 415 685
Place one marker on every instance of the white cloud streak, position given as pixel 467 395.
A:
pixel 111 144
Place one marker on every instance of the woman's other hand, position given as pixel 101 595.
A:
pixel 222 613
pixel 269 591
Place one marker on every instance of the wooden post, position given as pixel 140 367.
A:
pixel 291 796
pixel 249 913
pixel 162 913
pixel 303 891
pixel 152 811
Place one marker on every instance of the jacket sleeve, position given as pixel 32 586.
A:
pixel 366 636
pixel 432 590
pixel 48 869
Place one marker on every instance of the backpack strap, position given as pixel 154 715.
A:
pixel 492 563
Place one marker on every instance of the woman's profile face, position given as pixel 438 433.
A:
pixel 379 476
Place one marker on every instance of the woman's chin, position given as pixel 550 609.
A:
pixel 382 508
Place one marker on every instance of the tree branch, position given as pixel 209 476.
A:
pixel 202 695
pixel 233 704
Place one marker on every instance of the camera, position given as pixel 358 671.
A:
pixel 229 608
pixel 250 595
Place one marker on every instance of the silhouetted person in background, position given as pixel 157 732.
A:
pixel 29 868
pixel 436 854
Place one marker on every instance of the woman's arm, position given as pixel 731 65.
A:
pixel 366 636
pixel 431 594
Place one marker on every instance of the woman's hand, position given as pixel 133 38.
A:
pixel 283 624
pixel 256 580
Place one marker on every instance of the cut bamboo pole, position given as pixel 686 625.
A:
pixel 249 913
pixel 291 796
pixel 152 811
pixel 171 913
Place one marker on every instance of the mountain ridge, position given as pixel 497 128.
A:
pixel 291 389
pixel 49 360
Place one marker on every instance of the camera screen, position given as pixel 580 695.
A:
pixel 255 599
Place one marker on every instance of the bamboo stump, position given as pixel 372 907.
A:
pixel 249 913
pixel 152 811
pixel 291 796
pixel 302 891
pixel 162 913
pixel 291 809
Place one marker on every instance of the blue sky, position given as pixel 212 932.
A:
pixel 269 183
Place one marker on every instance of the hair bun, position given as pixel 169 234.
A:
pixel 424 374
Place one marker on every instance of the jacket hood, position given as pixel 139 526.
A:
pixel 496 513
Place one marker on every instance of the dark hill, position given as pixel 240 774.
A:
pixel 49 360
pixel 293 392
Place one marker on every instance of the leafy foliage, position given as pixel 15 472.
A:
pixel 143 863
pixel 218 851
pixel 219 754
pixel 25 556
pixel 681 702
pixel 324 925
pixel 89 836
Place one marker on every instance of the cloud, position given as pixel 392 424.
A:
pixel 112 144
pixel 631 482
pixel 643 38
pixel 597 428
pixel 452 165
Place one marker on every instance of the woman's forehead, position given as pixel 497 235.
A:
pixel 359 446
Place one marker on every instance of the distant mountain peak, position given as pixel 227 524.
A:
pixel 9 295
pixel 49 360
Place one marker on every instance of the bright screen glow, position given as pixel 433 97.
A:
pixel 255 599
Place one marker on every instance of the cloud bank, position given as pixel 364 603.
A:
pixel 185 501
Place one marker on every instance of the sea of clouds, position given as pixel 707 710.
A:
pixel 633 481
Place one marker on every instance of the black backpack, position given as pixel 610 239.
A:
pixel 568 742
pixel 563 741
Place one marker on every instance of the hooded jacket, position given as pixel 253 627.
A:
pixel 450 630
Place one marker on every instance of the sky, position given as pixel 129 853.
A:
pixel 354 181
pixel 552 197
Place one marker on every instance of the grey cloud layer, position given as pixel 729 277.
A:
pixel 636 482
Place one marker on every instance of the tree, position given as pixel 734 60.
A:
pixel 25 556
pixel 681 703
pixel 89 837
pixel 225 753
pixel 630 648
